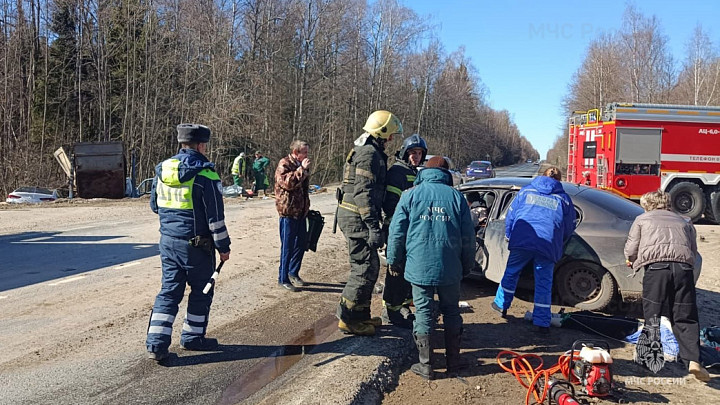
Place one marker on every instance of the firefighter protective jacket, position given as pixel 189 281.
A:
pixel 187 195
pixel 364 182
pixel 400 177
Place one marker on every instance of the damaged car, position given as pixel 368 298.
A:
pixel 592 273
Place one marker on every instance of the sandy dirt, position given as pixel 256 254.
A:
pixel 486 334
pixel 38 326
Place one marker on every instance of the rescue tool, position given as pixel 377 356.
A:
pixel 211 283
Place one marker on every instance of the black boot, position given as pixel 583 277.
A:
pixel 423 368
pixel 452 351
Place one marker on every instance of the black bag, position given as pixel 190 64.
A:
pixel 315 223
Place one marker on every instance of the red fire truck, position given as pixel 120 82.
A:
pixel 631 149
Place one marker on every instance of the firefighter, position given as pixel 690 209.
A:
pixel 186 196
pixel 397 294
pixel 359 217
pixel 239 169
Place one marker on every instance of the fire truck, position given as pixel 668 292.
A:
pixel 630 149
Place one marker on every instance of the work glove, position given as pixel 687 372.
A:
pixel 396 270
pixel 375 238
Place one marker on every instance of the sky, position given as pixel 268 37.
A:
pixel 526 52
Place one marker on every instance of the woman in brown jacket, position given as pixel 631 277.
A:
pixel 663 243
pixel 292 200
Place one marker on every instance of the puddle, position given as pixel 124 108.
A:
pixel 287 356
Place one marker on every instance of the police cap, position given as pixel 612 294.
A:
pixel 193 133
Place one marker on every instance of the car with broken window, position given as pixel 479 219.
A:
pixel 592 273
pixel 456 176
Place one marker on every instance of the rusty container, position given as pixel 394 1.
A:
pixel 100 169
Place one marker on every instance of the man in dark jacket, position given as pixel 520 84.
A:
pixel 186 195
pixel 397 294
pixel 292 200
pixel 433 236
pixel 539 222
pixel 359 217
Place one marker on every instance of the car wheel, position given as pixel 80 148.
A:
pixel 688 199
pixel 585 285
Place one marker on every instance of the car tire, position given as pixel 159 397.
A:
pixel 585 285
pixel 688 199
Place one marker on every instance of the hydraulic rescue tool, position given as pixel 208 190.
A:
pixel 587 364
pixel 591 367
pixel 211 282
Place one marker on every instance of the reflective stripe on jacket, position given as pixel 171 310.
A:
pixel 364 182
pixel 187 195
pixel 400 177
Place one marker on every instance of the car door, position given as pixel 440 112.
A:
pixel 495 244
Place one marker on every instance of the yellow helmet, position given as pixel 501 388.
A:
pixel 382 124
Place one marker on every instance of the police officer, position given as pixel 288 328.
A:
pixel 397 294
pixel 186 194
pixel 360 219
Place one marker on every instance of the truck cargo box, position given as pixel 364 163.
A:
pixel 100 169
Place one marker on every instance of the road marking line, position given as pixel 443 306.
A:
pixel 37 239
pixel 126 265
pixel 67 280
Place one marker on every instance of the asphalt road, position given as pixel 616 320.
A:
pixel 77 285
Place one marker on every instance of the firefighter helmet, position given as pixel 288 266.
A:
pixel 382 124
pixel 411 142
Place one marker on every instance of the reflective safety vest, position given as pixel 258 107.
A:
pixel 171 193
pixel 236 169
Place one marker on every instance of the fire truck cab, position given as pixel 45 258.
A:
pixel 632 148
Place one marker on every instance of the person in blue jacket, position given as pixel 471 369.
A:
pixel 539 222
pixel 186 195
pixel 433 235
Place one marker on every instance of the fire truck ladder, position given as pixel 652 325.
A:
pixel 661 112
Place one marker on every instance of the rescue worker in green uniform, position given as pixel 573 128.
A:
pixel 397 294
pixel 359 216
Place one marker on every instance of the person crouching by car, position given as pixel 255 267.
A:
pixel 292 200
pixel 539 222
pixel 663 243
pixel 431 233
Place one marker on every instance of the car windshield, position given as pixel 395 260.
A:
pixel 620 207
pixel 479 165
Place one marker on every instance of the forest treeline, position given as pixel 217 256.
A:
pixel 635 64
pixel 259 73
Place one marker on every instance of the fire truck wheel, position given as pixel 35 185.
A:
pixel 585 285
pixel 688 199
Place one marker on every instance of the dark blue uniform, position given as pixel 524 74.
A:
pixel 187 196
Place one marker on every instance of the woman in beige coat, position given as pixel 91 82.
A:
pixel 663 243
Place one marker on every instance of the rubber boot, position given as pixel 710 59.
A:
pixel 452 351
pixel 374 321
pixel 423 368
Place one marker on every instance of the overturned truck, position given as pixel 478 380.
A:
pixel 96 169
